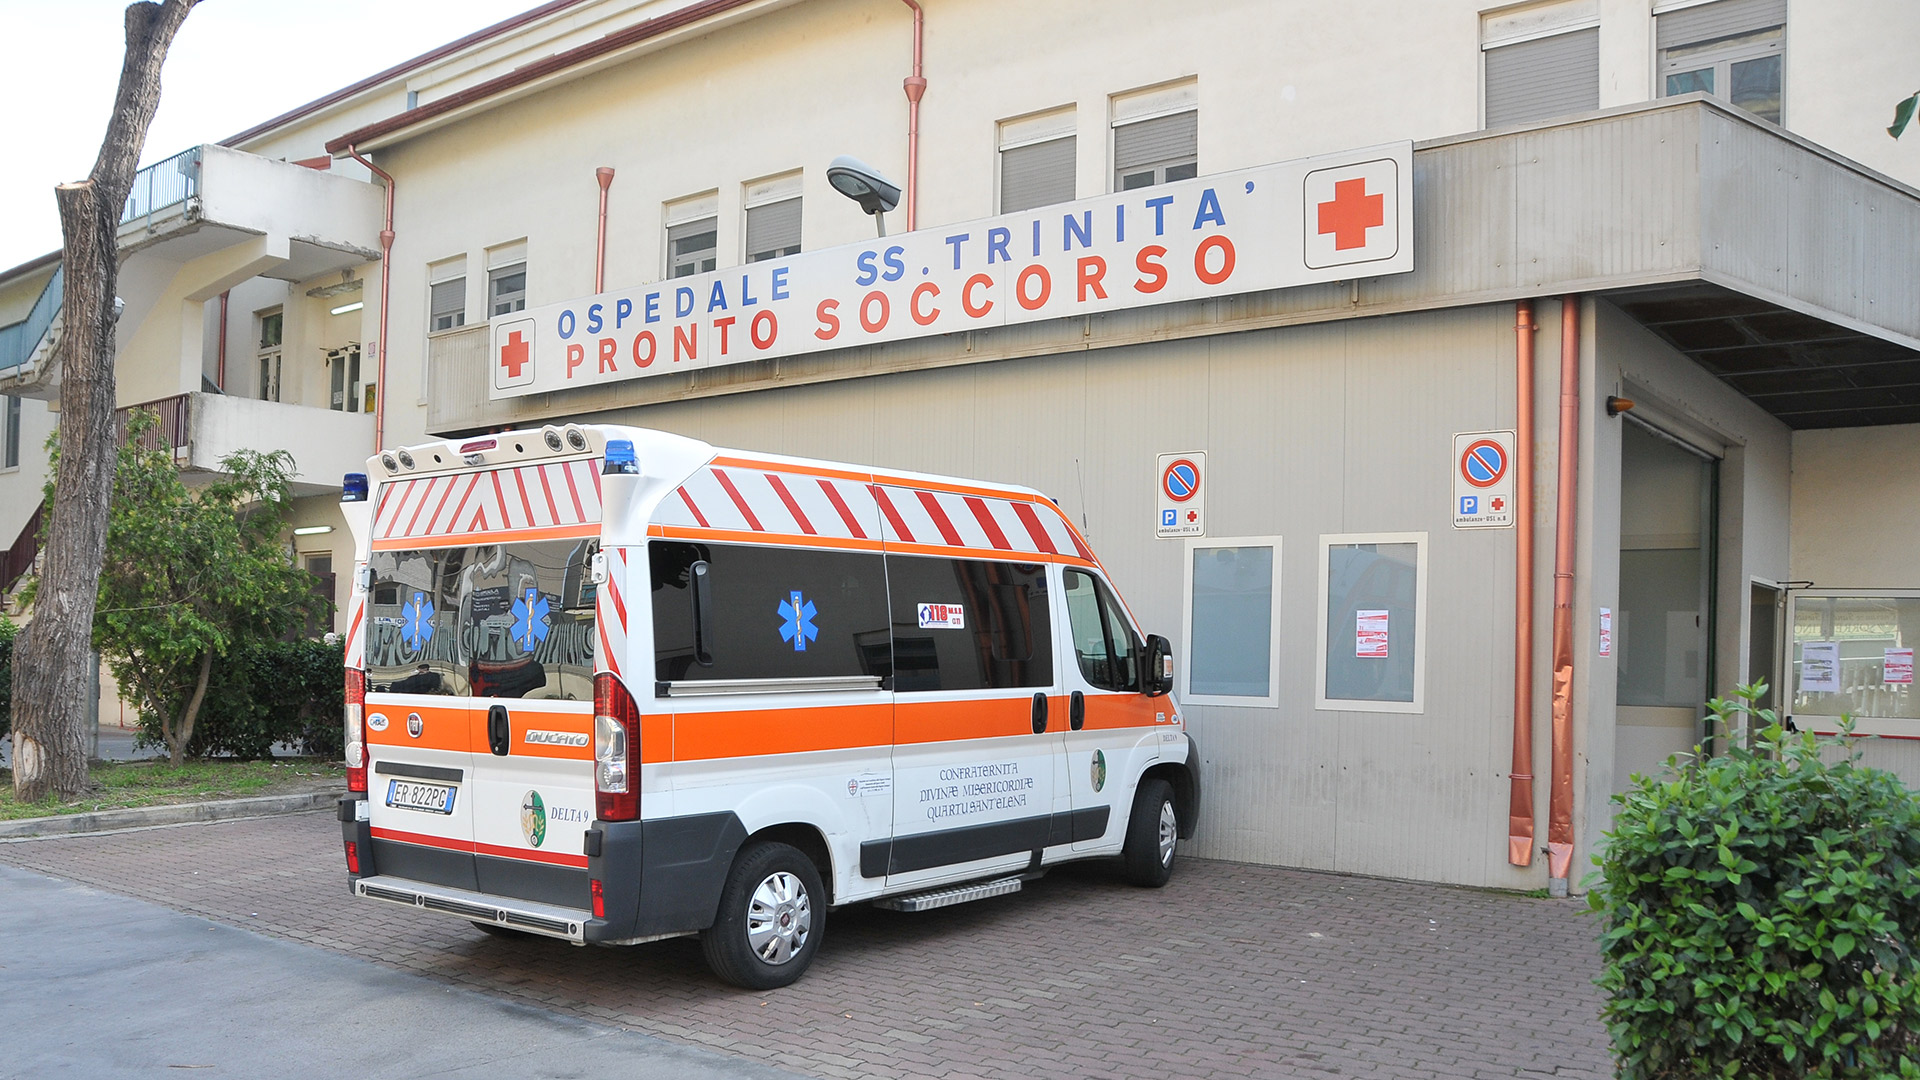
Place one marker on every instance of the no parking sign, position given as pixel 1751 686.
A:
pixel 1182 495
pixel 1483 480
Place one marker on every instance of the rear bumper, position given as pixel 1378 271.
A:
pixel 535 918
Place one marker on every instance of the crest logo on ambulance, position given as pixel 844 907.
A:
pixel 513 354
pixel 1353 213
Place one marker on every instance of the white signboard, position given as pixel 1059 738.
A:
pixel 1898 666
pixel 1331 218
pixel 1182 495
pixel 1483 480
pixel 1820 667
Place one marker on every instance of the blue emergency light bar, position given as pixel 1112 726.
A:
pixel 353 487
pixel 621 458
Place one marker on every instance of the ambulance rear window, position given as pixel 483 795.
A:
pixel 491 620
pixel 969 624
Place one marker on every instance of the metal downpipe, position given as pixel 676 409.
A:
pixel 915 86
pixel 1520 823
pixel 604 175
pixel 1560 794
pixel 386 280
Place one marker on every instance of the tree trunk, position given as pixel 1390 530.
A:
pixel 52 682
pixel 180 733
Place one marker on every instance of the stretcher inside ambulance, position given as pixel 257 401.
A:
pixel 611 685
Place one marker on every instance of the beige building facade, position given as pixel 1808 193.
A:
pixel 1701 194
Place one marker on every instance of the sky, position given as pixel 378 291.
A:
pixel 234 64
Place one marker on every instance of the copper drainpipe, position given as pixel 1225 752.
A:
pixel 916 87
pixel 1520 779
pixel 1560 794
pixel 605 176
pixel 386 278
pixel 220 368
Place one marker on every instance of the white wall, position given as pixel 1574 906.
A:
pixel 1856 507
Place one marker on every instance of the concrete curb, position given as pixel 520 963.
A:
pixel 178 814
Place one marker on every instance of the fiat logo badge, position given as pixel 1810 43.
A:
pixel 415 725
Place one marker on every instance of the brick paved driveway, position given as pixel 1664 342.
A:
pixel 1231 970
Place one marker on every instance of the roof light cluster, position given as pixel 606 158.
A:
pixel 568 439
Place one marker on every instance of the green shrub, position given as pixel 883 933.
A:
pixel 264 694
pixel 1760 913
pixel 8 632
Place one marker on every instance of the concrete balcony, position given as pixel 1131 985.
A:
pixel 205 428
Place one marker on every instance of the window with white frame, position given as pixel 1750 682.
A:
pixel 693 235
pixel 1037 155
pixel 1232 622
pixel 10 422
pixel 507 279
pixel 772 217
pixel 1372 646
pixel 1734 49
pixel 447 294
pixel 272 326
pixel 1156 135
pixel 1540 61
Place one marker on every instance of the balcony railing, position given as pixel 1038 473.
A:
pixel 19 557
pixel 163 184
pixel 175 427
pixel 18 341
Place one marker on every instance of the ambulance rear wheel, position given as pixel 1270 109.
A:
pixel 1153 832
pixel 772 915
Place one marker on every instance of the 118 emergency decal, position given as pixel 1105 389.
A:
pixel 942 617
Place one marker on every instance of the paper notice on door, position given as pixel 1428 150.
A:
pixel 1898 667
pixel 1370 635
pixel 1606 631
pixel 1820 667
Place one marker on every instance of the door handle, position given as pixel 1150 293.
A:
pixel 1077 711
pixel 1039 713
pixel 499 730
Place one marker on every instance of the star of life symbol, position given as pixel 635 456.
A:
pixel 417 630
pixel 798 627
pixel 530 620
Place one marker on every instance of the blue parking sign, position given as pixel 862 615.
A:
pixel 1469 504
pixel 1168 519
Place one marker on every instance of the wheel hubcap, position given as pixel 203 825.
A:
pixel 779 918
pixel 1169 833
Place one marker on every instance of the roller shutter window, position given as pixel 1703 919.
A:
pixel 773 230
pixel 1037 174
pixel 1734 49
pixel 692 247
pixel 1543 78
pixel 448 302
pixel 1157 150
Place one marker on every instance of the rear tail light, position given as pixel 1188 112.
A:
pixel 353 857
pixel 599 900
pixel 356 736
pixel 616 750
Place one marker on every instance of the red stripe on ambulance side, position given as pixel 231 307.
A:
pixel 520 481
pixel 546 488
pixel 359 609
pixel 793 507
pixel 1034 529
pixel 940 520
pixel 985 517
pixel 579 512
pixel 893 516
pixel 454 521
pixel 697 515
pixel 500 495
pixel 840 504
pixel 424 496
pixel 606 648
pixel 734 494
pixel 553 858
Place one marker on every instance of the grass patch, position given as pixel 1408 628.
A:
pixel 119 785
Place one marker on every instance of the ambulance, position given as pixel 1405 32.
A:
pixel 612 685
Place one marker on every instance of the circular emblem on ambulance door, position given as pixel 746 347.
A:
pixel 1099 769
pixel 415 725
pixel 377 721
pixel 853 787
pixel 533 818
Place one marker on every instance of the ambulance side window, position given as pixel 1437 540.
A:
pixel 965 624
pixel 1103 641
pixel 773 613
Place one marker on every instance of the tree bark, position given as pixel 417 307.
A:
pixel 52 680
pixel 180 733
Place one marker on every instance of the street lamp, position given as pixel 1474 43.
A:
pixel 864 185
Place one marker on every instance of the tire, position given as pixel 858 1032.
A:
pixel 1153 832
pixel 772 915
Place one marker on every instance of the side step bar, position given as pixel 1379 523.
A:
pixel 947 897
pixel 551 920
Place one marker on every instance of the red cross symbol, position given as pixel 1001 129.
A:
pixel 513 355
pixel 1351 213
pixel 1499 503
pixel 1192 516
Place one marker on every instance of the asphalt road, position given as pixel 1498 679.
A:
pixel 97 985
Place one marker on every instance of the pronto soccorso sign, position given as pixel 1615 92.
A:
pixel 1335 217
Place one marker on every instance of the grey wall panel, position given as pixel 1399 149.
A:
pixel 1746 188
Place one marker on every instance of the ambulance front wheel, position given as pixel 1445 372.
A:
pixel 772 914
pixel 1152 834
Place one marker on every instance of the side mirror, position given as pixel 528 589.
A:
pixel 1158 676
